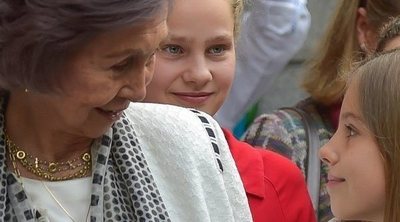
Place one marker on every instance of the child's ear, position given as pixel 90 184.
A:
pixel 366 35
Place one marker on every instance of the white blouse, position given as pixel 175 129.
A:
pixel 73 195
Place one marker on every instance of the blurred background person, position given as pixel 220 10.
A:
pixel 272 32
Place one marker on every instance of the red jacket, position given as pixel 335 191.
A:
pixel 275 187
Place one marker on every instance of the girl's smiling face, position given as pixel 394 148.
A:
pixel 195 65
pixel 356 176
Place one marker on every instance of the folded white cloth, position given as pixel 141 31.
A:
pixel 183 162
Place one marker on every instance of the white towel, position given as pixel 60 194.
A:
pixel 181 158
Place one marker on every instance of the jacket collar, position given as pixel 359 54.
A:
pixel 249 163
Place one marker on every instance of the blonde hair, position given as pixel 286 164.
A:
pixel 339 47
pixel 237 7
pixel 379 96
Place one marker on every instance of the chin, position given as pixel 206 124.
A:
pixel 211 110
pixel 342 214
pixel 207 110
pixel 96 132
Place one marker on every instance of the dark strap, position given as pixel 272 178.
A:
pixel 258 132
pixel 211 134
pixel 313 144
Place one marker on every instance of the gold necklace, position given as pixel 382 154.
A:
pixel 14 165
pixel 49 170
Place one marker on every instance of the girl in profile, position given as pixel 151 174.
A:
pixel 363 155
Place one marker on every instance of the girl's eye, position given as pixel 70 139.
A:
pixel 350 130
pixel 217 50
pixel 123 65
pixel 172 49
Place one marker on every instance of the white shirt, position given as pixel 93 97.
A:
pixel 73 195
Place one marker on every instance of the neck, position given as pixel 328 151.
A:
pixel 35 132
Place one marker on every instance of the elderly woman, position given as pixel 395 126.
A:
pixel 70 147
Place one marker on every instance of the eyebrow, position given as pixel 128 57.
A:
pixel 134 52
pixel 219 38
pixel 175 39
pixel 348 115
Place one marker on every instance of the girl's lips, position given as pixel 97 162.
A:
pixel 332 180
pixel 193 98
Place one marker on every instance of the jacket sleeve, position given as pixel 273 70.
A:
pixel 272 32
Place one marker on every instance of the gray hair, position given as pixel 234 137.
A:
pixel 37 36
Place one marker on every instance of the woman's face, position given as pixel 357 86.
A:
pixel 356 176
pixel 195 64
pixel 100 80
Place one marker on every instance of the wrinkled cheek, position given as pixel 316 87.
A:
pixel 95 95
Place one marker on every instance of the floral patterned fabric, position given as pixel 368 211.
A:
pixel 284 132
